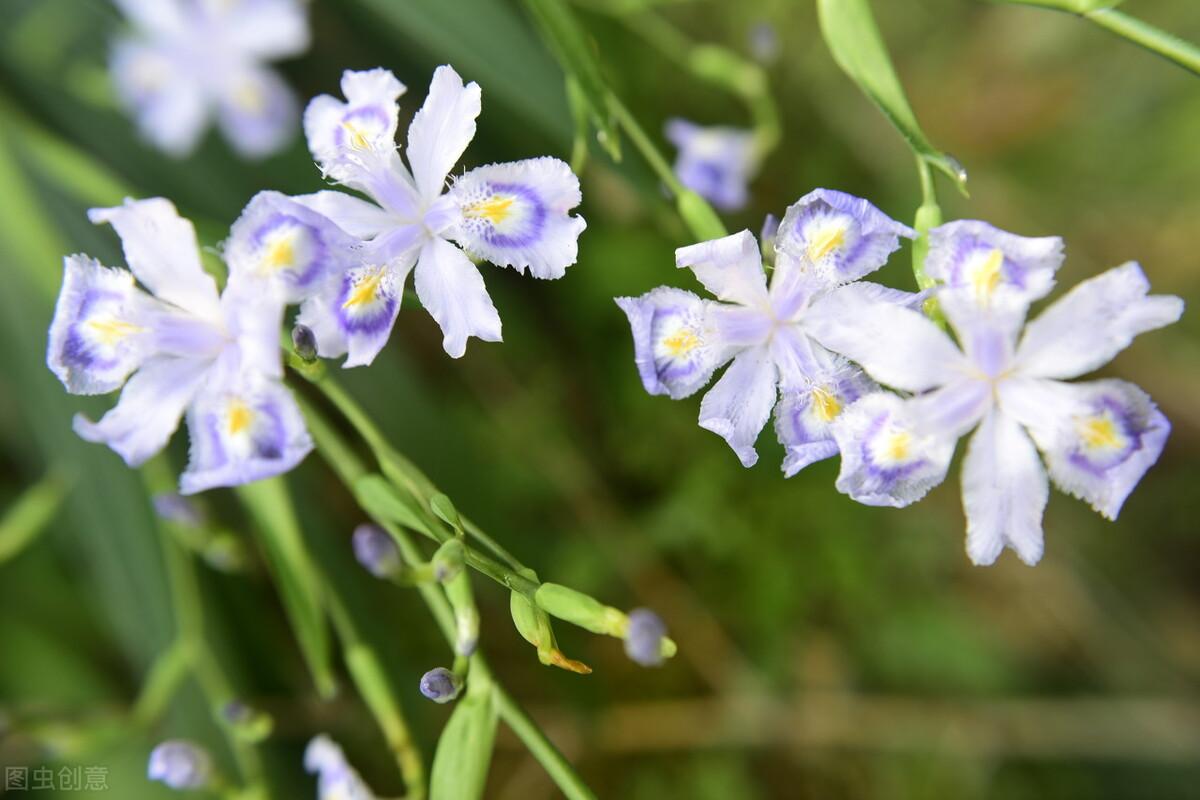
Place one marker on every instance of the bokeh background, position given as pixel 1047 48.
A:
pixel 827 650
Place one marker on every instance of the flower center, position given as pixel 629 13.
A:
pixel 240 417
pixel 827 241
pixel 358 138
pixel 495 209
pixel 681 343
pixel 1100 433
pixel 110 330
pixel 986 277
pixel 825 404
pixel 280 254
pixel 366 290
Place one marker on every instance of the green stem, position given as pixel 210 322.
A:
pixel 188 608
pixel 646 147
pixel 1156 40
pixel 350 469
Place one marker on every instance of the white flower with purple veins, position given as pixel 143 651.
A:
pixel 514 214
pixel 826 242
pixel 1097 439
pixel 716 163
pixel 191 60
pixel 187 348
pixel 336 779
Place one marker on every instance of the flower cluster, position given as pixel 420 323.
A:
pixel 176 346
pixel 191 60
pixel 344 260
pixel 817 344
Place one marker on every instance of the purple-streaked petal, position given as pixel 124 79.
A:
pixel 988 265
pixel 149 409
pixel 952 410
pixel 257 111
pixel 886 459
pixel 360 218
pixel 676 344
pixel 365 122
pixel 738 406
pixel 355 314
pixel 160 247
pixel 1099 438
pixel 716 163
pixel 278 245
pixel 806 412
pixel 1087 327
pixel 730 268
pixel 452 291
pixel 517 215
pixel 243 430
pixel 101 329
pixel 170 106
pixel 441 130
pixel 896 346
pixel 838 237
pixel 1004 492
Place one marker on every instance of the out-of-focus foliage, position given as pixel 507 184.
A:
pixel 826 650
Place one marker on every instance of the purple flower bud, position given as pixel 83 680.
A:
pixel 304 342
pixel 174 507
pixel 440 685
pixel 180 764
pixel 376 551
pixel 644 636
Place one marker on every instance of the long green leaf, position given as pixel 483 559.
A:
pixel 295 573
pixel 854 40
pixel 30 514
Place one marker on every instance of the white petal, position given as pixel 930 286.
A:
pixel 160 247
pixel 243 430
pixel 896 346
pixel 253 318
pixel 888 458
pixel 442 129
pixel 1004 492
pixel 267 29
pixel 159 17
pixel 738 406
pixel 1099 438
pixel 987 265
pixel 731 268
pixel 101 329
pixel 149 409
pixel 170 106
pixel 517 215
pixel 452 290
pixel 677 345
pixel 257 111
pixel 1093 322
pixel 278 245
pixel 360 218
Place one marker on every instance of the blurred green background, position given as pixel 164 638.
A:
pixel 827 650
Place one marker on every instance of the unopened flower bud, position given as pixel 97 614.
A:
pixel 174 507
pixel 579 609
pixel 180 764
pixel 644 637
pixel 304 343
pixel 440 685
pixel 246 722
pixel 770 230
pixel 376 551
pixel 448 561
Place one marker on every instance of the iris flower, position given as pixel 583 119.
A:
pixel 1096 439
pixel 191 60
pixel 716 163
pixel 336 779
pixel 175 346
pixel 514 214
pixel 826 242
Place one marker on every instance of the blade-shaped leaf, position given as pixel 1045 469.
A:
pixel 854 40
pixel 464 751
